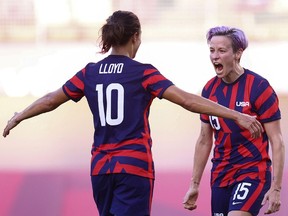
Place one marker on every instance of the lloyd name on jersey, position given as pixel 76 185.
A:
pixel 111 68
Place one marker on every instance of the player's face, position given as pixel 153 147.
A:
pixel 224 60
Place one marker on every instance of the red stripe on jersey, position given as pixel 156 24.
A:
pixel 110 146
pixel 251 176
pixel 152 80
pixel 205 117
pixel 77 82
pixel 149 71
pixel 263 97
pixel 155 93
pixel 125 153
pixel 249 82
pixel 100 163
pixel 270 111
pixel 234 96
pixel 73 94
pixel 225 89
pixel 209 84
pixel 129 169
pixel 248 88
pixel 119 168
pixel 146 135
pixel 245 152
pixel 214 89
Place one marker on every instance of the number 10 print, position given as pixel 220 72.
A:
pixel 120 104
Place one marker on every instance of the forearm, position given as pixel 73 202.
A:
pixel 200 104
pixel 278 158
pixel 42 105
pixel 201 156
pixel 273 130
pixel 47 103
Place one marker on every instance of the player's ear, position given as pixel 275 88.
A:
pixel 135 37
pixel 238 54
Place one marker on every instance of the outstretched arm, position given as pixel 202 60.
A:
pixel 198 104
pixel 44 104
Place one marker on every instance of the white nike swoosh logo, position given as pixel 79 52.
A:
pixel 235 203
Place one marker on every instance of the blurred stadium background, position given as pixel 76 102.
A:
pixel 44 163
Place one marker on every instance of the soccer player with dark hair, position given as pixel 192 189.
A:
pixel 120 91
pixel 241 176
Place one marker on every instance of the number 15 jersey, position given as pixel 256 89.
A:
pixel 237 155
pixel 119 91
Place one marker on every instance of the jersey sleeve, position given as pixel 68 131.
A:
pixel 267 103
pixel 74 87
pixel 205 93
pixel 155 83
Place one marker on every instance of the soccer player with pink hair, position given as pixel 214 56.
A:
pixel 241 176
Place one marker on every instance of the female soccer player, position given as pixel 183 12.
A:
pixel 241 179
pixel 119 91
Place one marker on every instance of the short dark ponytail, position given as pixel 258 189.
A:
pixel 118 29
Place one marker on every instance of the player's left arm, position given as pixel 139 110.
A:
pixel 44 104
pixel 273 130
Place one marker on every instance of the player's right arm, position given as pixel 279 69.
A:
pixel 198 104
pixel 202 151
pixel 273 130
pixel 44 104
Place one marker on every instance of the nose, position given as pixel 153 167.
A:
pixel 214 55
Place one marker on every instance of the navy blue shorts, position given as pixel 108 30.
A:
pixel 246 195
pixel 122 194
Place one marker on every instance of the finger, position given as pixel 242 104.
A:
pixel 268 212
pixel 5 133
pixel 264 200
pixel 190 206
pixel 260 128
pixel 256 131
pixel 272 208
pixel 253 132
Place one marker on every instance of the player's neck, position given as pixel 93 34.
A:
pixel 121 50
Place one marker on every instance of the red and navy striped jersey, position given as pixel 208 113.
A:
pixel 119 91
pixel 236 155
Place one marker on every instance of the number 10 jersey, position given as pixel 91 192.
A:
pixel 119 91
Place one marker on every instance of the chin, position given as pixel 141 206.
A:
pixel 220 75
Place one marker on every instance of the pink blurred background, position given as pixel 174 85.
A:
pixel 44 162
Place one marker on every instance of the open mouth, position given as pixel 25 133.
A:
pixel 218 66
